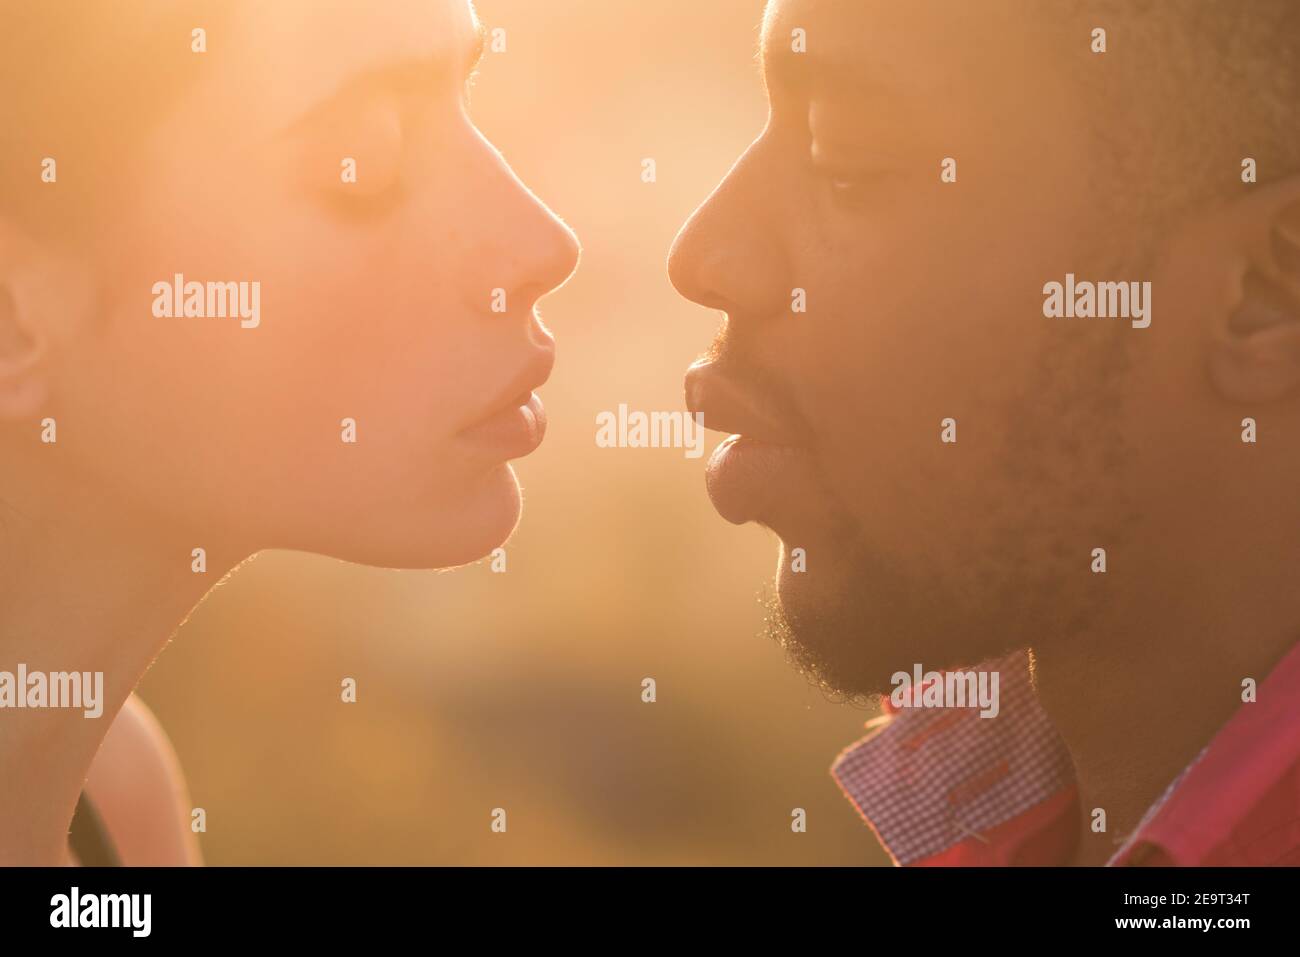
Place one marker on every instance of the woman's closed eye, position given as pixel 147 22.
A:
pixel 359 154
pixel 359 205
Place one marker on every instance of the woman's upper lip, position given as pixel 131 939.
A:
pixel 728 405
pixel 531 374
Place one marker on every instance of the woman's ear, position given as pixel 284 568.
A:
pixel 44 301
pixel 23 344
pixel 1254 346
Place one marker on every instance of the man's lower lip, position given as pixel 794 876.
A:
pixel 748 480
pixel 512 432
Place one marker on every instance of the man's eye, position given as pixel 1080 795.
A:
pixel 850 188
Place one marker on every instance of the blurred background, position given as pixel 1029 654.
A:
pixel 523 690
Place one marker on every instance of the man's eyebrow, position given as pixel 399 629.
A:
pixel 814 70
pixel 804 73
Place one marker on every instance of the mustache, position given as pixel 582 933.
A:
pixel 768 385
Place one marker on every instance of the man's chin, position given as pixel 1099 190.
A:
pixel 833 648
pixel 850 627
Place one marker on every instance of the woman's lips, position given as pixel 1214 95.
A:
pixel 750 480
pixel 511 433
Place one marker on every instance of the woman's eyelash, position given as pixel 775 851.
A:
pixel 357 205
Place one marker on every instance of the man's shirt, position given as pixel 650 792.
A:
pixel 943 786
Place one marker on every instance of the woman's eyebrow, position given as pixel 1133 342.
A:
pixel 477 47
pixel 409 73
pixel 413 71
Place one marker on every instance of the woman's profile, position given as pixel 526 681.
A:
pixel 263 285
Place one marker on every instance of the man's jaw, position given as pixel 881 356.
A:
pixel 851 620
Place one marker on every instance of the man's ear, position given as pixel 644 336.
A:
pixel 42 299
pixel 1254 344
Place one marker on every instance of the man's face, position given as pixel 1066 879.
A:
pixel 924 302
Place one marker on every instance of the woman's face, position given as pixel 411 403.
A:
pixel 402 302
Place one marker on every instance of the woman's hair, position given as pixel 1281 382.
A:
pixel 82 83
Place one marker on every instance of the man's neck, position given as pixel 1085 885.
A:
pixel 1136 705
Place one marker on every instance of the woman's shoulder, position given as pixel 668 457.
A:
pixel 139 792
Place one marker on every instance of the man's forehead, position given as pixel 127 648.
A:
pixel 877 44
pixel 825 42
pixel 858 18
pixel 782 17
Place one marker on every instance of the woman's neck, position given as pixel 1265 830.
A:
pixel 85 589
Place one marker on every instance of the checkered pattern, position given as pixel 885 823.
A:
pixel 932 777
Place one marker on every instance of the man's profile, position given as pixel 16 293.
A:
pixel 1098 502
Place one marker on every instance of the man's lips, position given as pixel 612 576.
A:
pixel 729 406
pixel 758 473
pixel 749 480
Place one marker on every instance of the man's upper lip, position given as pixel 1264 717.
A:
pixel 532 373
pixel 729 406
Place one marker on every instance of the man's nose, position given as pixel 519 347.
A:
pixel 727 256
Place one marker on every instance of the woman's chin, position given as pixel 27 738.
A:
pixel 482 520
pixel 454 530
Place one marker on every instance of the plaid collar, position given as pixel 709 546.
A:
pixel 943 786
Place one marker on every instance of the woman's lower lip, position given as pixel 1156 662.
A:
pixel 510 433
pixel 748 479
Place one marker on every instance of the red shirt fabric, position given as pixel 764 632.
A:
pixel 945 787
